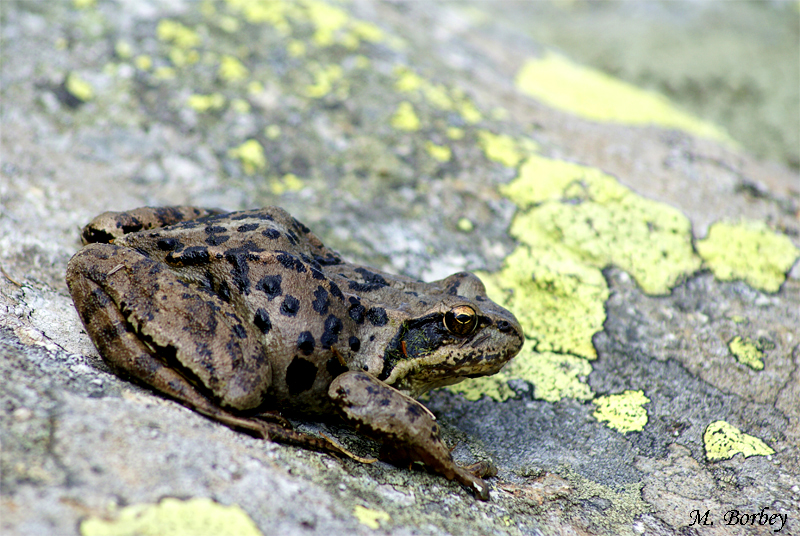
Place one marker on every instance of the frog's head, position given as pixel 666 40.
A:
pixel 463 335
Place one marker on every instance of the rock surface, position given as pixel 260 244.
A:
pixel 647 251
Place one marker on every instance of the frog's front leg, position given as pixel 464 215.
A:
pixel 404 425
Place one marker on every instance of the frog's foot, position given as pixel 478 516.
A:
pixel 406 428
pixel 483 469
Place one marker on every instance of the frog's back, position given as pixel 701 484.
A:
pixel 272 270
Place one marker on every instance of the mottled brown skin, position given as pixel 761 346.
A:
pixel 247 314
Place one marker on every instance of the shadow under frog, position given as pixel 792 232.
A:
pixel 243 316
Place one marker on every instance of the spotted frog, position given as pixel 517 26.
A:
pixel 247 316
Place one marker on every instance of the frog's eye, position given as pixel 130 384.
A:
pixel 461 320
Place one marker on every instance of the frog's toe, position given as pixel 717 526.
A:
pixel 482 469
pixel 475 483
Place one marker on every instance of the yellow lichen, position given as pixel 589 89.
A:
pixel 465 225
pixel 176 33
pixel 495 386
pixel 747 352
pixel 180 57
pixel 750 251
pixel 327 20
pixel 288 183
pixel 455 133
pixel 228 24
pixel 164 73
pixel 573 222
pixel 369 517
pixel 296 48
pixel 441 153
pixel 469 112
pixel 553 376
pixel 240 106
pixel 500 148
pixel 558 300
pixel 255 87
pixel 602 223
pixel 143 62
pixel 123 49
pixel 407 80
pixel 231 69
pixel 174 517
pixel 723 441
pixel 79 88
pixel 562 84
pixel 324 80
pixel 251 155
pixel 367 31
pixel 405 118
pixel 266 11
pixel 623 412
pixel 206 103
pixel 272 132
pixel 437 96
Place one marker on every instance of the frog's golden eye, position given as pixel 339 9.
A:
pixel 461 320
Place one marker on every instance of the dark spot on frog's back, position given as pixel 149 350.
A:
pixel 377 316
pixel 239 331
pixel 132 226
pixel 169 244
pixel 321 301
pixel 335 291
pixel 191 256
pixel 316 274
pixel 272 234
pixel 355 343
pixel 357 311
pixel 328 260
pixel 262 321
pixel 271 286
pixel 299 225
pixel 290 262
pixel 247 227
pixel 333 327
pixel 300 375
pixel 372 281
pixel 290 306
pixel 223 291
pixel 305 343
pixel 216 240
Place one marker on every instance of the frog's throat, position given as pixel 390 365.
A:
pixel 403 369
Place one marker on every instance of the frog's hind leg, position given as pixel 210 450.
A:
pixel 114 336
pixel 101 290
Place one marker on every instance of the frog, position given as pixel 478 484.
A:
pixel 247 318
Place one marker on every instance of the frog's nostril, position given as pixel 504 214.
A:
pixel 503 326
